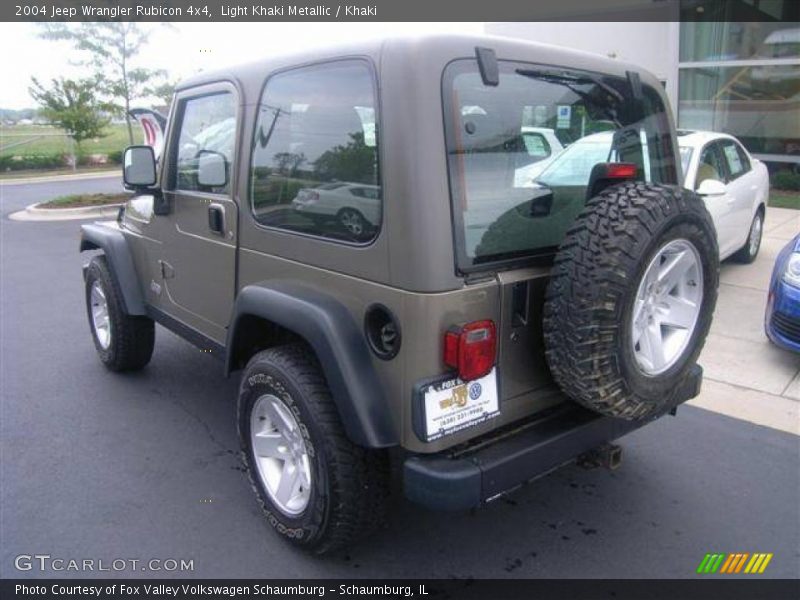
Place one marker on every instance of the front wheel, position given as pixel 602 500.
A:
pixel 123 342
pixel 749 251
pixel 317 489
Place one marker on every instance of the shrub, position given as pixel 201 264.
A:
pixel 115 157
pixel 32 161
pixel 786 180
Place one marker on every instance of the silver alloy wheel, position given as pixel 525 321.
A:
pixel 100 318
pixel 281 455
pixel 667 306
pixel 352 221
pixel 755 234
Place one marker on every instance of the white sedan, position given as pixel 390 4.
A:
pixel 355 206
pixel 734 186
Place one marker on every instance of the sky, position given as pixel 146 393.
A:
pixel 186 48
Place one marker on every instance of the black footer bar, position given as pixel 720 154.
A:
pixel 733 588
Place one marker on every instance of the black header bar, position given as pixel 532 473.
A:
pixel 390 10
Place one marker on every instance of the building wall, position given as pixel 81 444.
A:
pixel 653 46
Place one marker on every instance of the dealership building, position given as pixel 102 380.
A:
pixel 736 71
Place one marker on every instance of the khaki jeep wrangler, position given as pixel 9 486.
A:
pixel 389 248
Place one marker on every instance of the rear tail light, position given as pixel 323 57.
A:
pixel 471 348
pixel 620 170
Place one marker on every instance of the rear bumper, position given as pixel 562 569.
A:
pixel 468 478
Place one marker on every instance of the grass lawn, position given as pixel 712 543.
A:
pixel 79 200
pixel 116 139
pixel 784 199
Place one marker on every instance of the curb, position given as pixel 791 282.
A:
pixel 66 177
pixel 34 213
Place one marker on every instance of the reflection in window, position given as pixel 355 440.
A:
pixel 733 39
pixel 315 158
pixel 208 125
pixel 512 197
pixel 757 104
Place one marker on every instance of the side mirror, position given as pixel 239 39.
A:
pixel 712 187
pixel 139 167
pixel 212 169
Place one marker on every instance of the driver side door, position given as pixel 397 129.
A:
pixel 711 166
pixel 198 260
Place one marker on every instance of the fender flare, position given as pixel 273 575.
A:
pixel 329 328
pixel 112 242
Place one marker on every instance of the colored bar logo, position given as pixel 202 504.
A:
pixel 738 562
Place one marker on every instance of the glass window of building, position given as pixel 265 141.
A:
pixel 740 74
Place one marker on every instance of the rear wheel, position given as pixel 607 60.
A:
pixel 318 490
pixel 354 223
pixel 749 251
pixel 630 298
pixel 123 342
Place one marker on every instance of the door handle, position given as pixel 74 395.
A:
pixel 216 218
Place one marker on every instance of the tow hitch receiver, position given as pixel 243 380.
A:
pixel 608 456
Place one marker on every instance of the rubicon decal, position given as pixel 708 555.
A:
pixel 731 564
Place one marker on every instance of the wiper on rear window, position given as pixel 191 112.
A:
pixel 565 79
pixel 570 82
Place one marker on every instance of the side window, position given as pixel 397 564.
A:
pixel 536 145
pixel 743 157
pixel 733 159
pixel 709 166
pixel 314 167
pixel 207 130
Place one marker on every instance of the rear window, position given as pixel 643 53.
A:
pixel 514 197
pixel 314 166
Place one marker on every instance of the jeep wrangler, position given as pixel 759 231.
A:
pixel 387 245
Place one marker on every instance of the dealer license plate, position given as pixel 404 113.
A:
pixel 453 405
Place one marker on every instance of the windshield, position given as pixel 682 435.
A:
pixel 515 197
pixel 686 158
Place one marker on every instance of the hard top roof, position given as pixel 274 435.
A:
pixel 444 47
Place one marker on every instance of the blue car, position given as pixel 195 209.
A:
pixel 783 305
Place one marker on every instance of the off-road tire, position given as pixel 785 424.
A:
pixel 350 483
pixel 594 281
pixel 132 337
pixel 745 255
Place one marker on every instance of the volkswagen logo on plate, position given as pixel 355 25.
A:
pixel 475 390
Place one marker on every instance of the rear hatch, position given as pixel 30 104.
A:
pixel 514 196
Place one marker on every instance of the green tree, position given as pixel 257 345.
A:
pixel 73 106
pixel 163 92
pixel 110 48
pixel 354 162
pixel 288 162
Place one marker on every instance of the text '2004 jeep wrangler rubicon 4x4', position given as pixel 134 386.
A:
pixel 366 235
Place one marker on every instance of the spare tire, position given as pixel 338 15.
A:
pixel 631 297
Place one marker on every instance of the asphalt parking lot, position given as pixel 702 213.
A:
pixel 103 466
